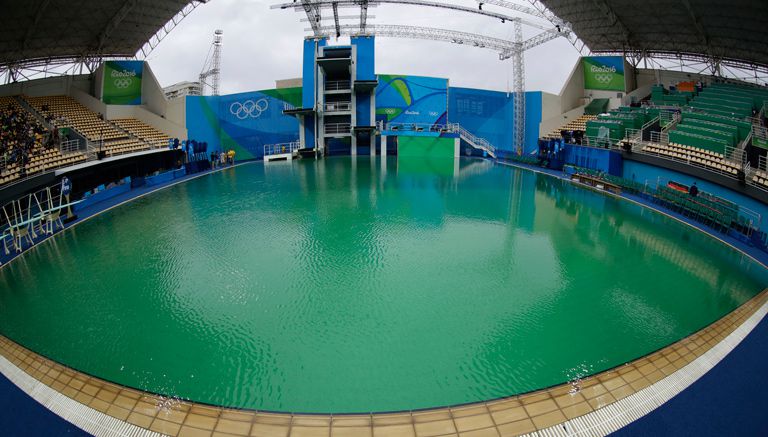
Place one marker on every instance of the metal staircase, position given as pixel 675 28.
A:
pixel 474 141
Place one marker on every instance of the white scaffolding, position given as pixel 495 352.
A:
pixel 210 77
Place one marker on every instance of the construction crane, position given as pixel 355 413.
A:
pixel 210 77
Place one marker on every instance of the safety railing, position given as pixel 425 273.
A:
pixel 70 146
pixel 659 137
pixel 651 122
pixel 599 142
pixel 419 127
pixel 337 85
pixel 759 136
pixel 338 128
pixel 758 177
pixel 633 134
pixel 280 149
pixel 735 155
pixel 338 106
pixel 668 119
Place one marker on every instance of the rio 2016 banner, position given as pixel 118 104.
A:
pixel 411 99
pixel 604 73
pixel 122 82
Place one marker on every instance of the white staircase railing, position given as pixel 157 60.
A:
pixel 669 121
pixel 474 141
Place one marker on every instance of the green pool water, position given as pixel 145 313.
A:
pixel 356 285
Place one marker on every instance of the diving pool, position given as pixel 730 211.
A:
pixel 356 285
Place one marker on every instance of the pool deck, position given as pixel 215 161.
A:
pixel 595 405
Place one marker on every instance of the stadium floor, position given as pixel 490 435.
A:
pixel 728 399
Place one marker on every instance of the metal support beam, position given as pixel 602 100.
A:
pixel 511 6
pixel 33 27
pixel 543 37
pixel 614 20
pixel 329 4
pixel 341 17
pixel 427 33
pixel 363 15
pixel 574 39
pixel 161 33
pixel 518 73
pixel 702 34
pixel 313 14
pixel 114 23
pixel 336 19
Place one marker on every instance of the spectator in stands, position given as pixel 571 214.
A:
pixel 20 136
pixel 694 190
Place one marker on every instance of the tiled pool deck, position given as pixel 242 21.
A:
pixel 594 405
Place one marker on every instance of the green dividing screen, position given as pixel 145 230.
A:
pixel 433 147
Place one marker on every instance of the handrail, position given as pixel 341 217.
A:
pixel 651 122
pixel 70 146
pixel 338 128
pixel 475 141
pixel 418 127
pixel 338 106
pixel 337 85
pixel 279 149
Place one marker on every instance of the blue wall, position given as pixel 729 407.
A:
pixel 491 115
pixel 308 71
pixel 363 112
pixel 640 172
pixel 366 57
pixel 411 99
pixel 244 122
pixel 609 161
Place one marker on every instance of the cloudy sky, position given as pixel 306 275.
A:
pixel 263 44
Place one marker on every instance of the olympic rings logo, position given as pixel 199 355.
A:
pixel 123 82
pixel 604 78
pixel 248 108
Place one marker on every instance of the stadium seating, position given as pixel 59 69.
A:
pixel 35 157
pixel 579 124
pixel 119 136
pixel 144 132
pixel 693 155
pixel 760 178
pixel 75 115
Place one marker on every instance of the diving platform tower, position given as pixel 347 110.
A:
pixel 338 110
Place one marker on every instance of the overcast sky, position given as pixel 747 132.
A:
pixel 263 44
